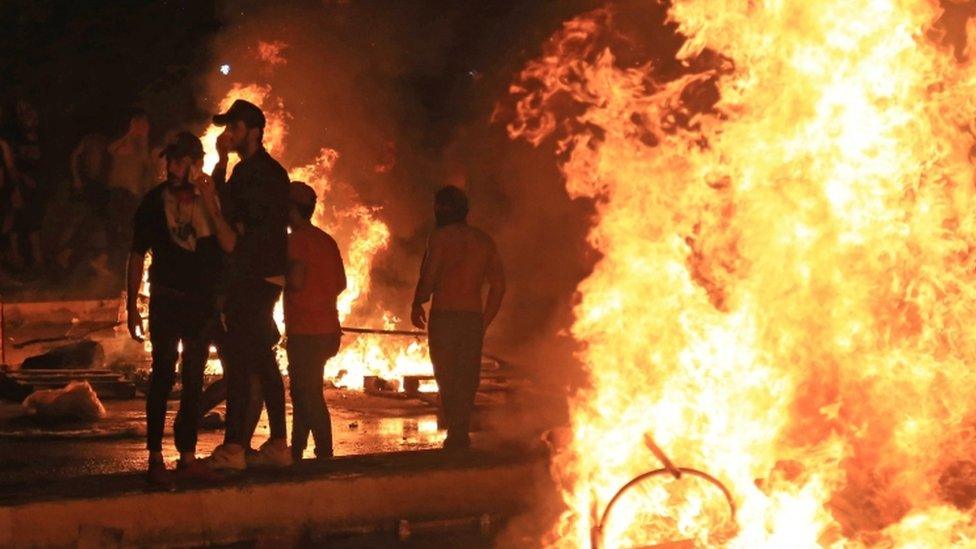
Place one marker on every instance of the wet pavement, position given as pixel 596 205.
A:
pixel 32 453
pixel 376 500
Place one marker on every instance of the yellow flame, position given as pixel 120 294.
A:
pixel 275 130
pixel 786 290
pixel 360 234
pixel 272 52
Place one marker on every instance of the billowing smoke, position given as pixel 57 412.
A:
pixel 411 99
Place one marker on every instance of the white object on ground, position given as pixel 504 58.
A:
pixel 77 400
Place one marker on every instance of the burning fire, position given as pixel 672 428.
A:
pixel 786 292
pixel 275 130
pixel 271 52
pixel 360 235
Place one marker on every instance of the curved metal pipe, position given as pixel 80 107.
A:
pixel 596 535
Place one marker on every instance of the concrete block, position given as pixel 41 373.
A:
pixel 343 495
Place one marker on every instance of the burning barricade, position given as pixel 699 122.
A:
pixel 785 289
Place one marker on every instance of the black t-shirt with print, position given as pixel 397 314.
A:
pixel 196 272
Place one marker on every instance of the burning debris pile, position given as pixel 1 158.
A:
pixel 787 285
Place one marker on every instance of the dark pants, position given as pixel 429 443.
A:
pixel 456 339
pixel 307 355
pixel 216 393
pixel 174 318
pixel 249 350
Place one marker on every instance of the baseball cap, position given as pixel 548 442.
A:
pixel 184 144
pixel 245 111
pixel 301 194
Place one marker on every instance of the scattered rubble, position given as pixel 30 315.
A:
pixel 212 421
pixel 13 390
pixel 85 354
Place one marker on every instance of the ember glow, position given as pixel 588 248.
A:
pixel 786 292
pixel 272 52
pixel 360 235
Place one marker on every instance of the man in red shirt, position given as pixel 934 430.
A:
pixel 314 280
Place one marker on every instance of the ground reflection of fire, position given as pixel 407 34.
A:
pixel 786 289
pixel 360 234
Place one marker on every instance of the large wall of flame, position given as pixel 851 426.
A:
pixel 786 277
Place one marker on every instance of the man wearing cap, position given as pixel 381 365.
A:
pixel 315 279
pixel 172 223
pixel 251 221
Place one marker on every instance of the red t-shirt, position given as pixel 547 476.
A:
pixel 312 309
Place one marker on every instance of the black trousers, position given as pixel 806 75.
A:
pixel 307 355
pixel 174 317
pixel 249 348
pixel 456 339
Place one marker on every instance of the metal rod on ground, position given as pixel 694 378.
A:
pixel 382 332
pixel 34 341
pixel 82 335
pixel 661 456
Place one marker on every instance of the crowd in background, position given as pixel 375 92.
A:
pixel 21 187
pixel 53 226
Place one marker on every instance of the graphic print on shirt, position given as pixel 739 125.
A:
pixel 185 217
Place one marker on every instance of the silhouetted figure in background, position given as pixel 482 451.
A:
pixel 129 176
pixel 85 208
pixel 29 209
pixel 172 223
pixel 460 259
pixel 251 218
pixel 315 279
pixel 10 199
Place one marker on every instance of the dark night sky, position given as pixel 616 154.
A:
pixel 86 64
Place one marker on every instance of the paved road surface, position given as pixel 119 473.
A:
pixel 35 453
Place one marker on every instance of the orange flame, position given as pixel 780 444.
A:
pixel 360 235
pixel 786 289
pixel 276 125
pixel 272 52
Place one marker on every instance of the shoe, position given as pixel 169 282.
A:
pixel 158 474
pixel 273 453
pixel 226 457
pixel 457 441
pixel 196 471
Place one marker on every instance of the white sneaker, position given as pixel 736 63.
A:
pixel 227 458
pixel 273 453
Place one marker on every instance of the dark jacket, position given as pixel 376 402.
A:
pixel 256 200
